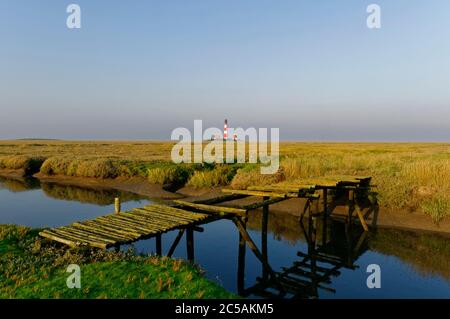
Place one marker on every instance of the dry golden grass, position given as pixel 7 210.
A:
pixel 407 175
pixel 139 150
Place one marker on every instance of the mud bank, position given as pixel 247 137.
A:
pixel 13 173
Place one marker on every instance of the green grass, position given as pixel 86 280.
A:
pixel 438 207
pixel 32 268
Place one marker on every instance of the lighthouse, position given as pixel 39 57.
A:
pixel 225 130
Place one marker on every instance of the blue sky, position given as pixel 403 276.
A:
pixel 139 69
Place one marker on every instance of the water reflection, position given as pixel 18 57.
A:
pixel 20 184
pixel 30 202
pixel 96 196
pixel 101 197
pixel 331 245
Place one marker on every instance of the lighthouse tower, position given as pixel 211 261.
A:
pixel 225 130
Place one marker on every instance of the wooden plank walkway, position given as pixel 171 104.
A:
pixel 124 227
pixel 302 187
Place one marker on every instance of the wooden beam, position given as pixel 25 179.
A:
pixel 55 237
pixel 175 243
pixel 265 202
pixel 222 198
pixel 361 218
pixel 211 208
pixel 254 193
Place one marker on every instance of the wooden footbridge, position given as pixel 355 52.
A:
pixel 125 227
pixel 153 220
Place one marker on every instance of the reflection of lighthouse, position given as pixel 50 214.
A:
pixel 225 130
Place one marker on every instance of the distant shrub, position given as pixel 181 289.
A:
pixel 29 165
pixel 55 166
pixel 99 168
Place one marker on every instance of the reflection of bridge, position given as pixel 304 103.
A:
pixel 338 246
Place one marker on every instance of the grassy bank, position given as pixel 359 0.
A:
pixel 32 268
pixel 415 176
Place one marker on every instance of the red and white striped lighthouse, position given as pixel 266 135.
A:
pixel 225 130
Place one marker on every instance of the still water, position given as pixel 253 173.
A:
pixel 412 264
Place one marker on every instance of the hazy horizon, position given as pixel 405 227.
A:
pixel 136 71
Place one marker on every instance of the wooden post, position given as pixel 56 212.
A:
pixel 325 201
pixel 158 245
pixel 313 230
pixel 324 229
pixel 117 205
pixel 351 205
pixel 190 243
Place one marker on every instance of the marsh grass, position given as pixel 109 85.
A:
pixel 32 268
pixel 57 166
pixel 98 168
pixel 29 164
pixel 219 175
pixel 415 176
pixel 438 207
pixel 251 175
pixel 165 173
pixel 412 181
